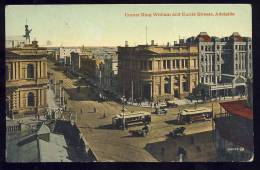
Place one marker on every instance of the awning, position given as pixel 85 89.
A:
pixel 238 108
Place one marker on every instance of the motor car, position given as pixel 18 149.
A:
pixel 161 110
pixel 171 104
pixel 178 132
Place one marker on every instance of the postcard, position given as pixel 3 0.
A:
pixel 129 83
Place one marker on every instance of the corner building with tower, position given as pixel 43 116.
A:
pixel 26 80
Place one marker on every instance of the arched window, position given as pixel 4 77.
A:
pixel 30 71
pixel 30 99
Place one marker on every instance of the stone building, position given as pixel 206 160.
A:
pixel 157 72
pixel 26 80
pixel 224 63
pixel 109 73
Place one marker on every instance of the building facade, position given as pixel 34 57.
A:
pixel 109 73
pixel 157 72
pixel 64 54
pixel 26 80
pixel 224 63
pixel 91 68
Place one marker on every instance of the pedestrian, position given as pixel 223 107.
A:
pixel 104 116
pixel 81 111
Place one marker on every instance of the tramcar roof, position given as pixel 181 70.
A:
pixel 133 114
pixel 195 111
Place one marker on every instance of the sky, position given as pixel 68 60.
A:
pixel 108 25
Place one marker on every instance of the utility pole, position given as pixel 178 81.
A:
pixel 60 92
pixel 146 35
pixel 63 96
pixel 55 86
pixel 132 85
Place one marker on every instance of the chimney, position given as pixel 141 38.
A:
pixel 168 44
pixel 152 42
pixel 126 43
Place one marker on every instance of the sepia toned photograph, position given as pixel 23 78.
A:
pixel 129 83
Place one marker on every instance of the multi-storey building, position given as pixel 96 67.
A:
pixel 76 61
pixel 109 73
pixel 26 80
pixel 64 54
pixel 157 72
pixel 90 67
pixel 224 63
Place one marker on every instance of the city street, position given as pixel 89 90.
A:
pixel 110 144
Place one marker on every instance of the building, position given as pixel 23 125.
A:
pixel 109 73
pixel 76 61
pixel 233 129
pixel 58 141
pixel 63 55
pixel 91 67
pixel 224 63
pixel 157 72
pixel 26 80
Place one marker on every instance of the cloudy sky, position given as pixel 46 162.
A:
pixel 108 25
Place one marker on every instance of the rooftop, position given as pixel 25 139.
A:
pixel 238 108
pixel 238 131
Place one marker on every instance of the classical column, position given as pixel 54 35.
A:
pixel 172 85
pixel 16 70
pixel 190 82
pixel 162 85
pixel 13 70
pixel 37 69
pixel 180 84
pixel 153 86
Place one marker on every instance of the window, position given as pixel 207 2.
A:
pixel 202 79
pixel 182 63
pixel 236 47
pixel 164 64
pixel 173 64
pixel 236 66
pixel 202 59
pixel 249 47
pixel 30 71
pixel 150 65
pixel 145 65
pixel 185 86
pixel 218 68
pixel 218 58
pixel 178 63
pixel 168 64
pixel 167 88
pixel 218 47
pixel 202 48
pixel 195 63
pixel 30 98
pixel 186 63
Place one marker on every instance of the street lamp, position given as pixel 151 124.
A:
pixel 123 99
